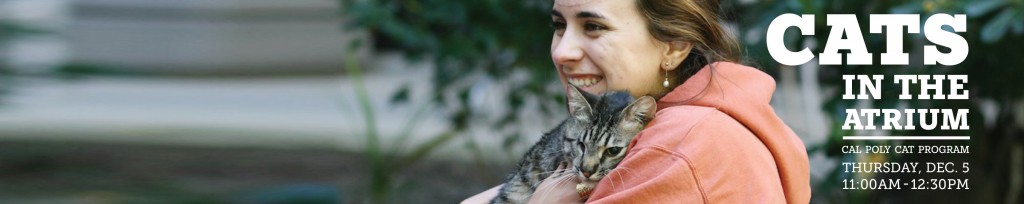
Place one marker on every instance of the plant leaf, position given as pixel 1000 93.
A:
pixel 980 8
pixel 996 28
pixel 401 96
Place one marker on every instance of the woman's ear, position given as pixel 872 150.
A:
pixel 676 53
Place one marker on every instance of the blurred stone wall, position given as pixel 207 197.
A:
pixel 184 36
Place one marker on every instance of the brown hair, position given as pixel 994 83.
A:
pixel 694 21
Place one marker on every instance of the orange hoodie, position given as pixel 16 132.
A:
pixel 717 142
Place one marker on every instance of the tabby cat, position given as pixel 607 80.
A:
pixel 590 143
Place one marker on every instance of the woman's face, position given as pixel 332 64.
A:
pixel 604 45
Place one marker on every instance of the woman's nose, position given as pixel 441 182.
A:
pixel 566 50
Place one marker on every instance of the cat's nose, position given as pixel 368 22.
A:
pixel 586 174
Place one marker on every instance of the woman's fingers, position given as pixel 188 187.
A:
pixel 559 187
pixel 483 197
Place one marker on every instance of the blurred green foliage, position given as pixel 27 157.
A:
pixel 467 39
pixel 471 43
pixel 385 165
pixel 9 31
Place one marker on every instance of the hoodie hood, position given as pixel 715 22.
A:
pixel 744 93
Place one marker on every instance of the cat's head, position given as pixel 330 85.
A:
pixel 600 128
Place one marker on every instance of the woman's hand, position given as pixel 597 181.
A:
pixel 483 197
pixel 557 188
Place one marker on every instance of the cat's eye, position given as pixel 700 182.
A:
pixel 612 151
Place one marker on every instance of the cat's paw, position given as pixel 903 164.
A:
pixel 584 189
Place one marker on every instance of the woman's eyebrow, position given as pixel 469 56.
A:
pixel 581 14
pixel 588 14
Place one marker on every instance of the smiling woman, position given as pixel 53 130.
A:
pixel 680 38
pixel 598 50
pixel 714 137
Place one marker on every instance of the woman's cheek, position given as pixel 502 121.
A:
pixel 614 82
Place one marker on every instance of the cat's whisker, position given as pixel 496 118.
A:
pixel 569 179
pixel 541 185
pixel 564 179
pixel 621 182
pixel 554 172
pixel 626 168
pixel 568 172
pixel 612 182
pixel 560 180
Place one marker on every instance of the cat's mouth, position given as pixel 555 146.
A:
pixel 586 80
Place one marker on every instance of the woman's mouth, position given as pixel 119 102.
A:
pixel 584 80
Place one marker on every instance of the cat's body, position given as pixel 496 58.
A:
pixel 537 164
pixel 590 143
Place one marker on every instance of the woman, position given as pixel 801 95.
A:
pixel 714 139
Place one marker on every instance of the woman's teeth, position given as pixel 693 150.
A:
pixel 584 81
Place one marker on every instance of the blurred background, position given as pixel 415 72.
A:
pixel 404 101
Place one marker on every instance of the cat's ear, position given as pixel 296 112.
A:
pixel 579 108
pixel 639 112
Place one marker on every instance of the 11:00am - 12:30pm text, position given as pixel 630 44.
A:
pixel 914 184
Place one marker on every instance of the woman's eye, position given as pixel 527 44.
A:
pixel 612 151
pixel 593 27
pixel 558 25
